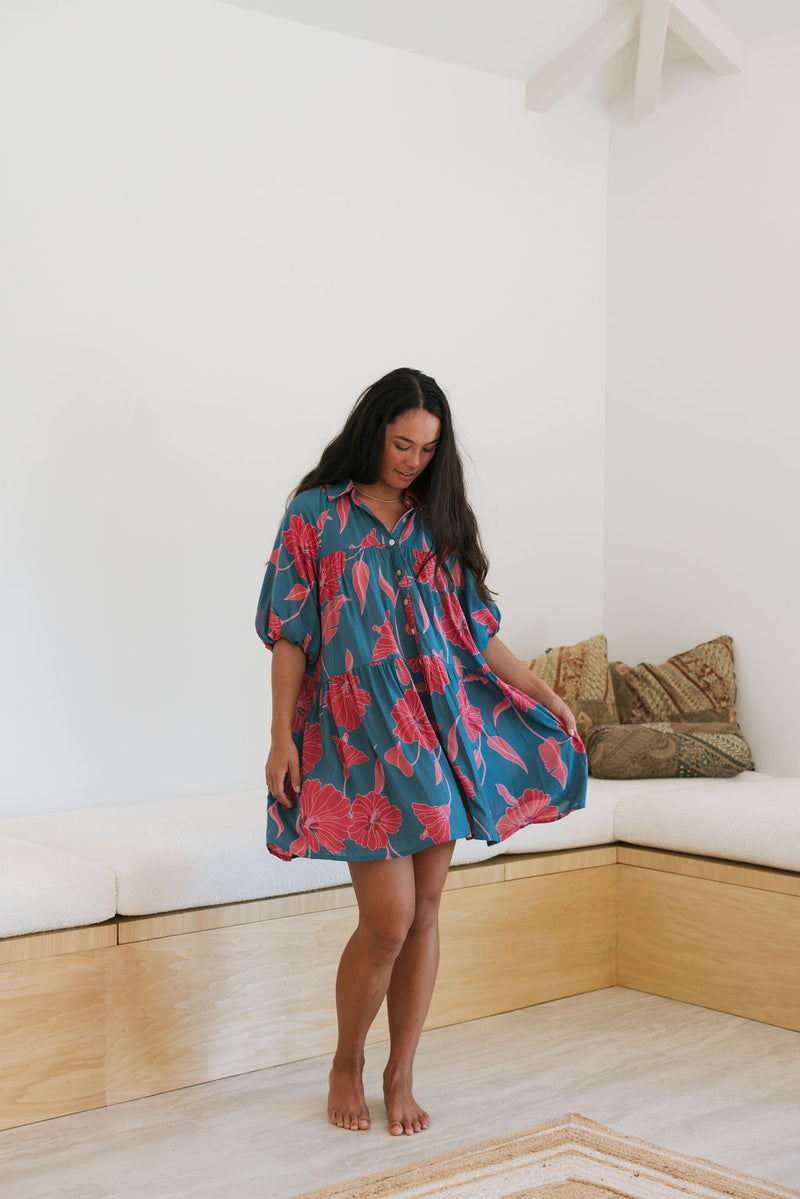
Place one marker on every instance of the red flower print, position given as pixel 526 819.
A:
pixel 485 617
pixel 473 721
pixel 501 746
pixel 436 821
pixel 577 744
pixel 302 541
pixel 411 722
pixel 396 757
pixel 386 645
pixel 467 785
pixel 324 817
pixel 532 807
pixel 312 747
pixel 330 618
pixel 347 700
pixel 435 672
pixel 331 568
pixel 374 820
pixel 454 624
pixel 403 673
pixel 360 581
pixel 370 539
pixel 423 565
pixel 550 753
pixel 275 627
pixel 519 697
pixel 303 703
pixel 348 754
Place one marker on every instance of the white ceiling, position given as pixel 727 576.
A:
pixel 514 38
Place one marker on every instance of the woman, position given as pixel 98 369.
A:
pixel 400 720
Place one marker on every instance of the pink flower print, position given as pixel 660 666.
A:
pixel 304 701
pixel 386 645
pixel 467 786
pixel 454 624
pixel 423 565
pixel 312 747
pixel 331 569
pixel 411 722
pixel 347 700
pixel 302 541
pixel 473 721
pixel 324 817
pixel 348 754
pixel 435 672
pixel 396 757
pixel 403 673
pixel 532 807
pixel 436 821
pixel 550 753
pixel 485 617
pixel 374 820
pixel 275 627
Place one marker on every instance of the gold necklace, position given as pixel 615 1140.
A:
pixel 377 498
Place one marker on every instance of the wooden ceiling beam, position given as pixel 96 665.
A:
pixel 695 23
pixel 584 55
pixel 650 57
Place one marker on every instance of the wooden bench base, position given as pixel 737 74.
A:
pixel 138 1006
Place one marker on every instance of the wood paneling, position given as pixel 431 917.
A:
pixel 525 941
pixel 722 946
pixel 67 940
pixel 559 862
pixel 196 1006
pixel 719 870
pixel 52 1036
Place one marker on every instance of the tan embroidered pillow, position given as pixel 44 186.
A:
pixel 699 680
pixel 668 749
pixel 579 674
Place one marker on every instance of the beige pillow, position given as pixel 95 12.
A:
pixel 700 680
pixel 668 749
pixel 579 674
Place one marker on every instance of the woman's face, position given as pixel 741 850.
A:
pixel 409 445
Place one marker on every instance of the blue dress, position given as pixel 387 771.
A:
pixel 406 737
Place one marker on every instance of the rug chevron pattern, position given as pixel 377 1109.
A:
pixel 568 1158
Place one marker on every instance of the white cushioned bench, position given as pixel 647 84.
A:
pixel 160 944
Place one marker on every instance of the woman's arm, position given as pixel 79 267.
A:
pixel 509 668
pixel 288 668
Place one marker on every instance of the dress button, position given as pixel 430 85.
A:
pixel 398 573
pixel 391 541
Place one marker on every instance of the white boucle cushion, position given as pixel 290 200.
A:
pixel 180 853
pixel 43 889
pixel 751 817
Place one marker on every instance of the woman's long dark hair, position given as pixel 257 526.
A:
pixel 356 453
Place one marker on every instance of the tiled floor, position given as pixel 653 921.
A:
pixel 698 1081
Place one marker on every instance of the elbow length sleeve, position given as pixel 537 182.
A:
pixel 288 606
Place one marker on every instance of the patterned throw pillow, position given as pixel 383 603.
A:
pixel 668 749
pixel 699 680
pixel 579 674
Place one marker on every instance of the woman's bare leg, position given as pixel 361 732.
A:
pixel 410 990
pixel 385 892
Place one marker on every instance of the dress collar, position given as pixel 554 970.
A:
pixel 336 490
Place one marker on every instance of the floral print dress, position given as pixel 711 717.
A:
pixel 406 737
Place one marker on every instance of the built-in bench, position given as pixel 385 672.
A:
pixel 152 946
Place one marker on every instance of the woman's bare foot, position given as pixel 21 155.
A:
pixel 405 1114
pixel 347 1107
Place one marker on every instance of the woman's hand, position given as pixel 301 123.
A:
pixel 509 668
pixel 282 770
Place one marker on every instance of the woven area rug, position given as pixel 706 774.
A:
pixel 568 1158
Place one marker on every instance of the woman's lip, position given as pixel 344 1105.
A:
pixel 403 475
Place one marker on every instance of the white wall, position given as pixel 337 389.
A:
pixel 703 484
pixel 215 229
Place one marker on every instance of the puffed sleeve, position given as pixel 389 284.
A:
pixel 288 605
pixel 483 617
